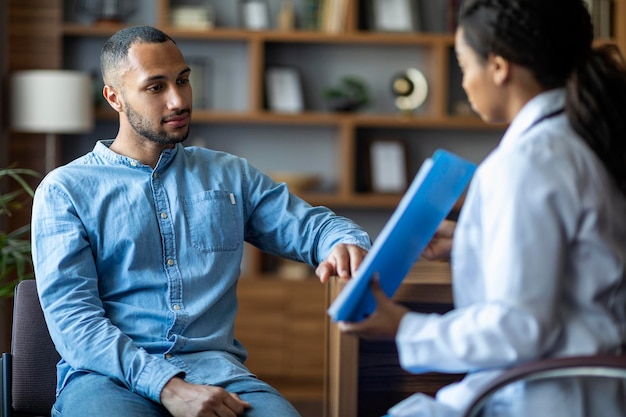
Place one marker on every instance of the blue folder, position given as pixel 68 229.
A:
pixel 437 186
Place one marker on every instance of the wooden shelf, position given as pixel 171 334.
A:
pixel 364 120
pixel 291 36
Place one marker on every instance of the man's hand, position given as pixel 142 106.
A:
pixel 342 261
pixel 183 399
pixel 381 324
pixel 440 247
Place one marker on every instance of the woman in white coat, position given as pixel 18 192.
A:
pixel 540 246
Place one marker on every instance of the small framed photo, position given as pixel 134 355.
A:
pixel 200 80
pixel 284 90
pixel 388 166
pixel 254 14
pixel 393 16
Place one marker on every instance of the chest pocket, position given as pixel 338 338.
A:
pixel 211 218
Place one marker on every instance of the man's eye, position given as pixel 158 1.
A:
pixel 183 81
pixel 155 88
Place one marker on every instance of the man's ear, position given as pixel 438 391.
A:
pixel 114 99
pixel 500 69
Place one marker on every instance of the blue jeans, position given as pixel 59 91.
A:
pixel 97 395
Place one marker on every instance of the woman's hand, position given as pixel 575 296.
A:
pixel 440 247
pixel 382 323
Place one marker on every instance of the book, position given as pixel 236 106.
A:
pixel 437 186
pixel 334 15
pixel 311 18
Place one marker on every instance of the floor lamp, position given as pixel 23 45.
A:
pixel 51 102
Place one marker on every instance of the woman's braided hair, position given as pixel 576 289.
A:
pixel 554 40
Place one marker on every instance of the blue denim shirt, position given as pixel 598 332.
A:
pixel 137 267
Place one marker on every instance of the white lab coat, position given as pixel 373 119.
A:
pixel 538 270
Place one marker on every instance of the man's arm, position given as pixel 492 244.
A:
pixel 67 282
pixel 299 231
pixel 345 258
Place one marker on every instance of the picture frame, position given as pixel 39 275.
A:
pixel 254 14
pixel 388 166
pixel 284 90
pixel 200 79
pixel 393 16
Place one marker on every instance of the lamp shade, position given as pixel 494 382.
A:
pixel 51 101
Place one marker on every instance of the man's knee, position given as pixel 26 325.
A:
pixel 98 395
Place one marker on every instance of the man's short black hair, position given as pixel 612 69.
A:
pixel 115 50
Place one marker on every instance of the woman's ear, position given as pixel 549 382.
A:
pixel 500 69
pixel 110 94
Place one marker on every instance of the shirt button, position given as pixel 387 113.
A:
pixel 164 215
pixel 133 163
pixel 168 356
pixel 170 262
pixel 155 175
pixel 176 307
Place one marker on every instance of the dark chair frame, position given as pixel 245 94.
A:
pixel 29 371
pixel 608 366
pixel 5 386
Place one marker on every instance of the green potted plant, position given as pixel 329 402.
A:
pixel 350 95
pixel 15 249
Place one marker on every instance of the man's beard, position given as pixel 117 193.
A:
pixel 142 127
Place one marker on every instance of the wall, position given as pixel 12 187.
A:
pixel 33 28
pixel 30 30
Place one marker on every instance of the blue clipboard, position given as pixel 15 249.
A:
pixel 437 186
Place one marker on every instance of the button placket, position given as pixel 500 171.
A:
pixel 166 228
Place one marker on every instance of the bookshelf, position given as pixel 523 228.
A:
pixel 317 141
pixel 50 34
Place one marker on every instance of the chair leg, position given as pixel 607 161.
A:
pixel 5 403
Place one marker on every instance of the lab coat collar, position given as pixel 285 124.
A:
pixel 541 106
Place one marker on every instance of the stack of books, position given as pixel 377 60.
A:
pixel 192 17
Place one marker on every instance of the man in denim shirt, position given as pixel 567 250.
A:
pixel 137 247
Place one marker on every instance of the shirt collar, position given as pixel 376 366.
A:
pixel 537 108
pixel 102 149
